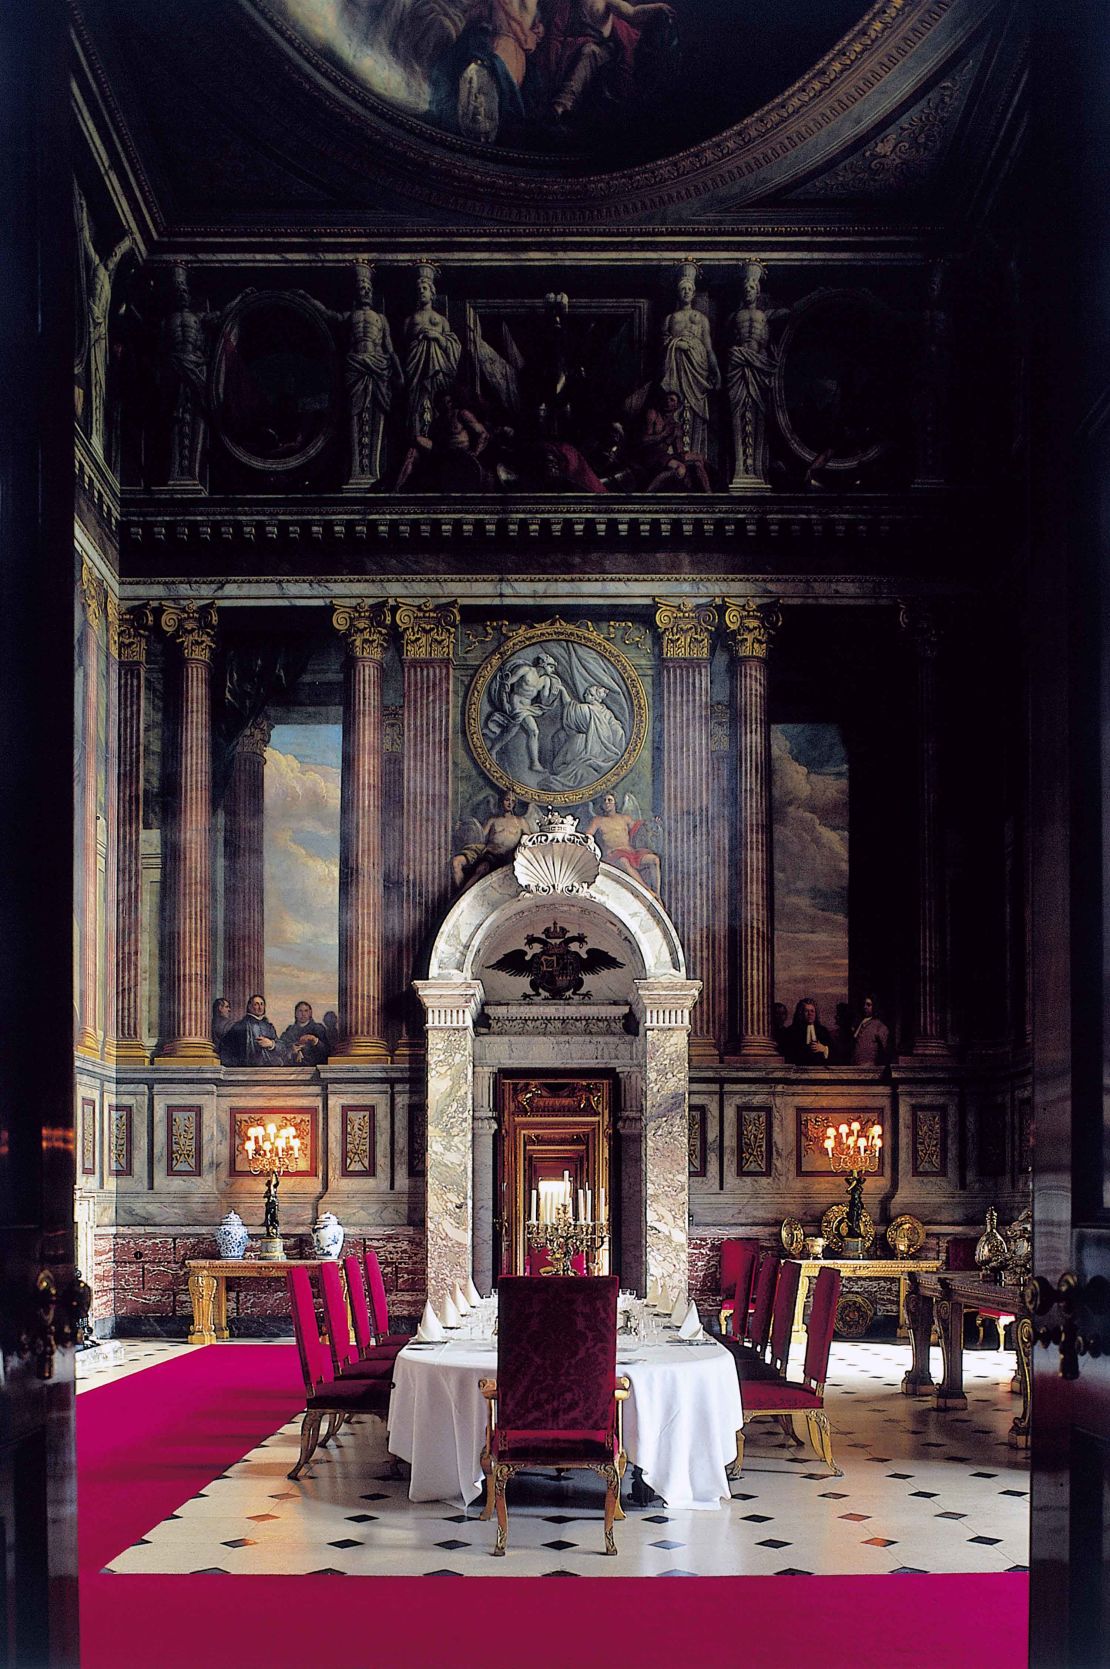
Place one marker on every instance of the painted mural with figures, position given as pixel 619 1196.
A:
pixel 613 81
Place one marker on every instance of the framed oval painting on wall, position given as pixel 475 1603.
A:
pixel 273 382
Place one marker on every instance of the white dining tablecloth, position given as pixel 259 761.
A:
pixel 680 1420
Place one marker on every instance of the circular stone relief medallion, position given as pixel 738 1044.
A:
pixel 557 714
pixel 854 1315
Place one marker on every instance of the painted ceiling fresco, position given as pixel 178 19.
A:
pixel 607 83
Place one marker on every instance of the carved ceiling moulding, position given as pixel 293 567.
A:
pixel 791 136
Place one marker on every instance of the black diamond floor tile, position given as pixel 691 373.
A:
pixel 443 1573
pixel 210 1570
pixel 456 1518
pixel 985 1541
pixel 562 1573
pixel 923 1494
pixel 949 1515
pixel 1017 1567
pixel 452 1546
pixel 362 1518
pixel 661 1518
pixel 560 1547
pixel 670 1546
pixel 346 1541
pixel 908 1570
pixel 678 1573
pixel 376 1496
pixel 900 1475
pixel 792 1570
pixel 771 1542
pixel 327 1570
pixel 558 1518
pixel 757 1518
pixel 984 1474
pixel 1021 1493
pixel 239 1541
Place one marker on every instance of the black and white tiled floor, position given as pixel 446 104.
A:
pixel 921 1492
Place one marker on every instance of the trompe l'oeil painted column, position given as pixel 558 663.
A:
pixel 451 1007
pixel 428 632
pixel 685 630
pixel 244 869
pixel 663 1008
pixel 188 1011
pixel 128 637
pixel 364 627
pixel 752 625
pixel 930 1031
pixel 93 597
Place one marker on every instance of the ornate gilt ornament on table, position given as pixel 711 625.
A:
pixel 905 1235
pixel 792 1235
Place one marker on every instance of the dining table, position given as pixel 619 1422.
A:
pixel 680 1420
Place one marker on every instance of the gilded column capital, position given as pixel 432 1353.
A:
pixel 685 627
pixel 393 730
pixel 192 626
pixel 364 627
pixel 129 632
pixel 919 622
pixel 256 737
pixel 94 595
pixel 753 625
pixel 428 630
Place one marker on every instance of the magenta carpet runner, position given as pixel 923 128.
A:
pixel 155 1439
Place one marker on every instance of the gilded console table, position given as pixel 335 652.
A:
pixel 208 1278
pixel 862 1269
pixel 941 1300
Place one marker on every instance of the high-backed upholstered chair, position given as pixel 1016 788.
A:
pixel 379 1306
pixel 758 1333
pixel 774 1396
pixel 739 1259
pixel 556 1401
pixel 325 1395
pixel 346 1359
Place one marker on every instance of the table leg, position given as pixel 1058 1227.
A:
pixel 918 1382
pixel 219 1309
pixel 949 1314
pixel 1023 1339
pixel 903 1321
pixel 799 1331
pixel 202 1292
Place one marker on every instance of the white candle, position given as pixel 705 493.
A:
pixel 532 1218
pixel 581 1206
pixel 589 1206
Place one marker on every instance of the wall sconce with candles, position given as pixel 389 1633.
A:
pixel 856 1153
pixel 270 1153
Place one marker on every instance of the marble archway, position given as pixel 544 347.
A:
pixel 653 1063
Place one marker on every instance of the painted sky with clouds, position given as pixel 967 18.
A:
pixel 809 790
pixel 302 869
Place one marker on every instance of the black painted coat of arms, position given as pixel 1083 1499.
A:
pixel 556 968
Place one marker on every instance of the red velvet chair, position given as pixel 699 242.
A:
pixel 556 1401
pixel 360 1314
pixel 336 1398
pixel 739 1259
pixel 346 1359
pixel 776 1397
pixel 758 1332
pixel 379 1307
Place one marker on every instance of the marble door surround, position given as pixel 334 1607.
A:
pixel 653 1067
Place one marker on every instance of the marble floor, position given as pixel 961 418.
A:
pixel 921 1492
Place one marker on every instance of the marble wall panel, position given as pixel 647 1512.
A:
pixel 666 1155
pixel 449 1161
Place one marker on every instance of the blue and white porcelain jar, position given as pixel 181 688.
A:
pixel 232 1236
pixel 327 1235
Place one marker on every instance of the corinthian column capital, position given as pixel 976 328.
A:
pixel 753 625
pixel 256 737
pixel 129 632
pixel 685 628
pixel 364 627
pixel 192 626
pixel 428 630
pixel 93 595
pixel 919 622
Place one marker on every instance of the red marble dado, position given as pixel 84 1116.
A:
pixel 138 1274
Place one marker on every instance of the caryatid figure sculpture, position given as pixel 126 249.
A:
pixel 432 354
pixel 690 367
pixel 751 364
pixel 185 353
pixel 371 373
pixel 98 288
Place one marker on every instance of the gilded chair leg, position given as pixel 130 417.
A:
pixel 612 1506
pixel 735 1467
pixel 487 1510
pixel 310 1432
pixel 786 1421
pixel 820 1437
pixel 501 1476
pixel 980 1324
pixel 1000 1323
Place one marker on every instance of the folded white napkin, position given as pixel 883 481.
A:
pixel 653 1292
pixel 473 1296
pixel 450 1313
pixel 664 1301
pixel 459 1297
pixel 678 1310
pixel 691 1326
pixel 430 1330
